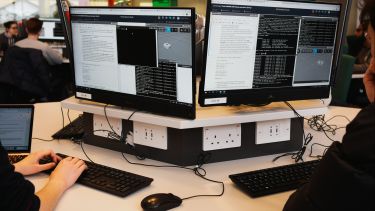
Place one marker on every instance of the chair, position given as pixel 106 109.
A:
pixel 25 76
pixel 355 44
pixel 343 79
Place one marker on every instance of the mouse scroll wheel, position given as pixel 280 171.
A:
pixel 152 201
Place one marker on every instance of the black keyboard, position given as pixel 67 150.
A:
pixel 107 179
pixel 74 130
pixel 16 158
pixel 276 179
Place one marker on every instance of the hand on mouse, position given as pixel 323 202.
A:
pixel 67 172
pixel 30 165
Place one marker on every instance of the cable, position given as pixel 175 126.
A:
pixel 198 170
pixel 318 123
pixel 41 139
pixel 109 124
pixel 122 136
pixel 297 156
pixel 62 114
pixel 318 156
pixel 67 113
pixel 84 152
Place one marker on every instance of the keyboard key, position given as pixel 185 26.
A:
pixel 274 180
pixel 110 180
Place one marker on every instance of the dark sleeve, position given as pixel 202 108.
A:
pixel 4 42
pixel 345 178
pixel 16 193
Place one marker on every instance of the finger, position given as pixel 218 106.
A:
pixel 79 163
pixel 54 157
pixel 58 158
pixel 75 160
pixel 46 166
pixel 68 159
pixel 81 169
pixel 44 153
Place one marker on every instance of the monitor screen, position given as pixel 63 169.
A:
pixel 261 51
pixel 52 30
pixel 16 127
pixel 136 57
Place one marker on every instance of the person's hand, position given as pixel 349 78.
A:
pixel 369 81
pixel 30 165
pixel 67 172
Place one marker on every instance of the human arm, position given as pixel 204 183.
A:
pixel 52 56
pixel 30 165
pixel 345 176
pixel 61 179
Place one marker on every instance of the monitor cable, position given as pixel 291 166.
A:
pixel 297 156
pixel 122 137
pixel 197 169
pixel 318 123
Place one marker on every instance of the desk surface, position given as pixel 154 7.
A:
pixel 180 182
pixel 206 116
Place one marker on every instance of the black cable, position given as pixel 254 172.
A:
pixel 122 136
pixel 109 124
pixel 318 123
pixel 41 139
pixel 62 114
pixel 198 170
pixel 297 156
pixel 84 152
pixel 318 156
pixel 67 113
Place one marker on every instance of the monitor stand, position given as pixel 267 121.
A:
pixel 218 133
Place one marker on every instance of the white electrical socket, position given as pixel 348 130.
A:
pixel 150 135
pixel 221 137
pixel 272 131
pixel 101 126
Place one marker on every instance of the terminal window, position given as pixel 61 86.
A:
pixel 138 54
pixel 255 44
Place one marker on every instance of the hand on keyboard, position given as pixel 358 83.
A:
pixel 30 164
pixel 107 179
pixel 68 171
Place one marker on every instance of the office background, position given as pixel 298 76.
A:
pixel 21 9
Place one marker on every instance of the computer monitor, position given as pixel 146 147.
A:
pixel 135 57
pixel 262 51
pixel 63 10
pixel 52 30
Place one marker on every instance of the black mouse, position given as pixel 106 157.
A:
pixel 160 202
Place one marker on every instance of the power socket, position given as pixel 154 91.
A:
pixel 272 131
pixel 101 126
pixel 150 135
pixel 221 137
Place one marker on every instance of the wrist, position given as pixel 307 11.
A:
pixel 18 168
pixel 57 185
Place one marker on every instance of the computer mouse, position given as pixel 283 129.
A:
pixel 160 202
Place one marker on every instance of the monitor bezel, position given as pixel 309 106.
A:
pixel 141 103
pixel 20 106
pixel 269 95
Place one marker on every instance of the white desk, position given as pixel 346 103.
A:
pixel 183 183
